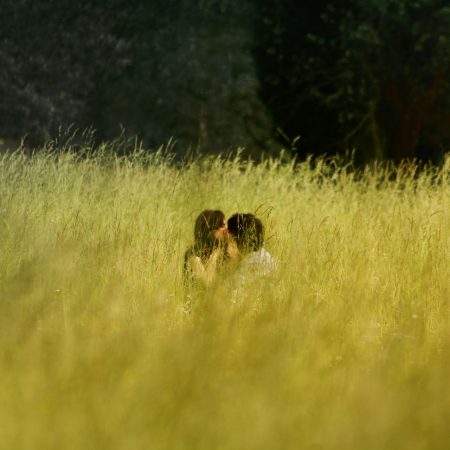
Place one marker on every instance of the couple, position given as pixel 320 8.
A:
pixel 237 244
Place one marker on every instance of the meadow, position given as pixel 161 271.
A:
pixel 347 346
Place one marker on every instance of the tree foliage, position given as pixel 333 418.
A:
pixel 191 76
pixel 364 74
pixel 320 77
pixel 389 78
pixel 50 55
pixel 178 68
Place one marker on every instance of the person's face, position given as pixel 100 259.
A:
pixel 232 248
pixel 222 233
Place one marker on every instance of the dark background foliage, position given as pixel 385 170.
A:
pixel 315 77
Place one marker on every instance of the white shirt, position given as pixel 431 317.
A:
pixel 254 265
pixel 259 263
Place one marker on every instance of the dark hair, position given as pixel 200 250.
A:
pixel 247 230
pixel 206 223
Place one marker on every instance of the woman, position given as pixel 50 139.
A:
pixel 202 260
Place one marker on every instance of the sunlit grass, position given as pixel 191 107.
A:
pixel 347 347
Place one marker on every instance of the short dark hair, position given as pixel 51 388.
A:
pixel 247 230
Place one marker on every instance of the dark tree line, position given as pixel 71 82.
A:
pixel 314 77
pixel 366 74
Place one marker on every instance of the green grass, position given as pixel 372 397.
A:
pixel 347 348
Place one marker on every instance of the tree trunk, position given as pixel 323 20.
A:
pixel 410 115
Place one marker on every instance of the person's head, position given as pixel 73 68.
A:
pixel 209 230
pixel 247 231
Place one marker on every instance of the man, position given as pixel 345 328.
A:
pixel 255 261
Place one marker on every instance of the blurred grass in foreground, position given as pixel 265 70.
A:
pixel 349 348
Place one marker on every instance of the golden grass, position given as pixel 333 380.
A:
pixel 347 348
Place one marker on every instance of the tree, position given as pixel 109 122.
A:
pixel 389 89
pixel 50 53
pixel 170 68
pixel 190 75
pixel 281 49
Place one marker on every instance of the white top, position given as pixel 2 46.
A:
pixel 259 263
pixel 253 266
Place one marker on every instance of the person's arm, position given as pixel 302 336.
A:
pixel 211 267
pixel 206 273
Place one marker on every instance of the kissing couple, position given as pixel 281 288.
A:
pixel 236 244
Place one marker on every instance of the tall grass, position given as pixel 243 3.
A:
pixel 347 347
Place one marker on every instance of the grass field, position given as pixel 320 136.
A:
pixel 346 347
